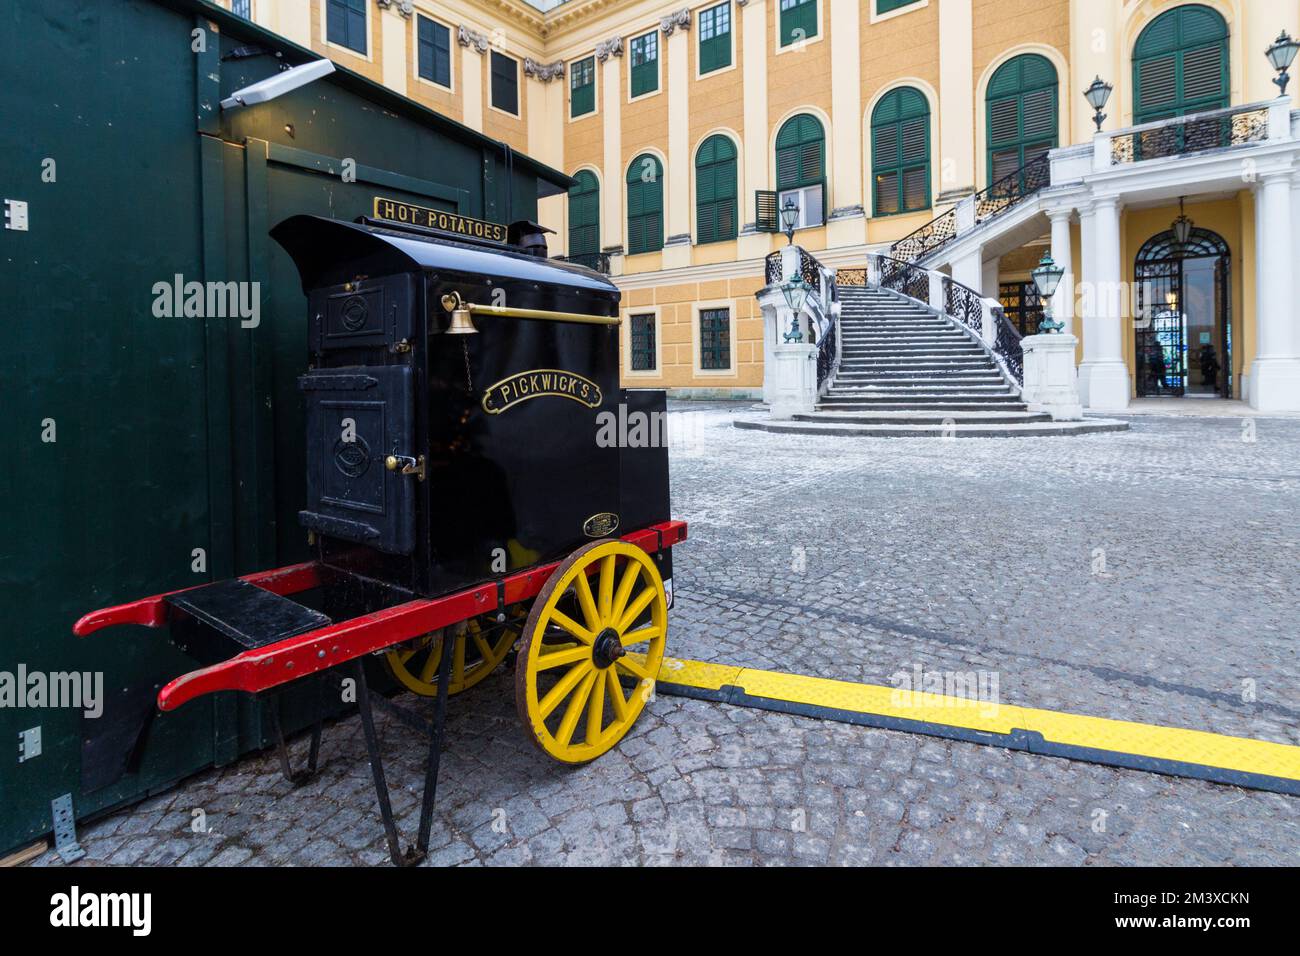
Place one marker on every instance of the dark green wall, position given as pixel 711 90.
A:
pixel 172 433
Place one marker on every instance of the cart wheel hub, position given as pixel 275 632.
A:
pixel 607 648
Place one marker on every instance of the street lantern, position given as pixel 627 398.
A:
pixel 1282 54
pixel 790 217
pixel 795 290
pixel 1047 277
pixel 1182 228
pixel 1098 96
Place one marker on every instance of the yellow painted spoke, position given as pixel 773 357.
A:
pixel 458 660
pixel 562 688
pixel 641 635
pixel 634 610
pixel 571 714
pixel 615 692
pixel 630 574
pixel 431 664
pixel 596 708
pixel 634 667
pixel 573 627
pixel 570 655
pixel 606 589
pixel 587 602
pixel 483 647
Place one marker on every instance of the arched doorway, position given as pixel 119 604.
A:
pixel 1183 321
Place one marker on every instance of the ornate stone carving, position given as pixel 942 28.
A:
pixel 543 71
pixel 607 48
pixel 467 37
pixel 404 7
pixel 682 18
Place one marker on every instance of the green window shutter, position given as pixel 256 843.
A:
pixel 1180 64
pixel 582 87
pixel 888 6
pixel 505 83
pixel 584 214
pixel 767 215
pixel 800 146
pixel 798 21
pixel 715 190
pixel 434 43
pixel 900 152
pixel 645 205
pixel 715 38
pixel 345 24
pixel 1022 114
pixel 645 63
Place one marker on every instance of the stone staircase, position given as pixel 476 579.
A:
pixel 905 371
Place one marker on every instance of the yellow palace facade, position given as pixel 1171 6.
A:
pixel 687 125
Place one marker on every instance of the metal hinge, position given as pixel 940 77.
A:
pixel 16 215
pixel 65 829
pixel 29 744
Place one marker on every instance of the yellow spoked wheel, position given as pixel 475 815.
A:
pixel 475 654
pixel 584 639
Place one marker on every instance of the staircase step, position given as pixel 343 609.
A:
pixel 1005 430
pixel 929 417
pixel 936 407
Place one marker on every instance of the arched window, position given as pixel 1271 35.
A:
pixel 584 214
pixel 801 168
pixel 715 190
pixel 1022 114
pixel 1180 64
pixel 645 205
pixel 900 152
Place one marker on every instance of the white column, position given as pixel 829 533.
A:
pixel 392 33
pixel 1103 376
pixel 956 99
pixel 847 225
pixel 1063 253
pixel 471 86
pixel 754 153
pixel 677 191
pixel 969 270
pixel 613 182
pixel 1275 373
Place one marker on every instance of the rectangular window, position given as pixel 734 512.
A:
pixel 435 51
pixel 715 38
pixel 811 202
pixel 505 83
pixel 889 6
pixel 345 24
pixel 242 8
pixel 798 21
pixel 582 87
pixel 1021 304
pixel 643 342
pixel 645 63
pixel 715 340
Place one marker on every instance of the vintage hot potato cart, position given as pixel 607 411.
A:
pixel 460 496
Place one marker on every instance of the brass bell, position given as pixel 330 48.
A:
pixel 462 323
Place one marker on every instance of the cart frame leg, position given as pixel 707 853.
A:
pixel 416 853
pixel 298 777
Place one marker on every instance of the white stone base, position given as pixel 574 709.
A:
pixel 1274 385
pixel 1051 380
pixel 794 380
pixel 1104 386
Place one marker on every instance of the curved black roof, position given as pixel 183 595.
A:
pixel 327 251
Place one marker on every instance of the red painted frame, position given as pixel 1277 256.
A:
pixel 306 654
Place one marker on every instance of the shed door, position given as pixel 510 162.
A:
pixel 356 418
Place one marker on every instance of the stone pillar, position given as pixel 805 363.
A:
pixel 847 223
pixel 613 185
pixel 956 99
pixel 1103 375
pixel 1051 382
pixel 1275 373
pixel 1087 318
pixel 789 369
pixel 754 153
pixel 969 270
pixel 471 80
pixel 675 37
pixel 392 37
pixel 1063 253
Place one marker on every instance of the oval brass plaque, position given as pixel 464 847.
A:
pixel 598 526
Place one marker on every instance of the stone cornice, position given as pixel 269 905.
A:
pixel 543 71
pixel 680 18
pixel 467 37
pixel 607 48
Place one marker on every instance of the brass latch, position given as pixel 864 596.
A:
pixel 406 465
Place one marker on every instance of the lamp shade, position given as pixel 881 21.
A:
pixel 1099 93
pixel 796 293
pixel 1047 277
pixel 1283 51
pixel 789 214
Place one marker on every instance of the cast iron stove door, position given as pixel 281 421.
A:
pixel 356 418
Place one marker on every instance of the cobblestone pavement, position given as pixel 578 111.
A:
pixel 1146 576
